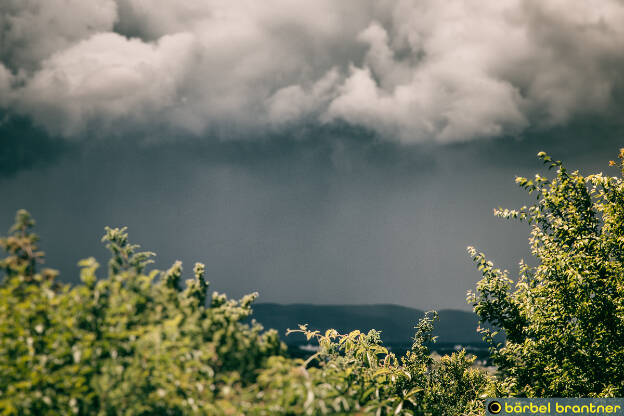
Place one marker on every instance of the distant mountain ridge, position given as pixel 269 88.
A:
pixel 395 322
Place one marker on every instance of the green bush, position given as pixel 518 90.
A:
pixel 141 343
pixel 130 343
pixel 564 318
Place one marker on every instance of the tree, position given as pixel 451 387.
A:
pixel 563 319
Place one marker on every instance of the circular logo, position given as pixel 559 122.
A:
pixel 494 407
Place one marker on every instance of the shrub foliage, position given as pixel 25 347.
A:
pixel 142 343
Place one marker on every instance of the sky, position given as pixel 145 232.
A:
pixel 322 152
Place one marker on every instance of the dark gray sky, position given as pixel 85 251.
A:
pixel 327 152
pixel 335 219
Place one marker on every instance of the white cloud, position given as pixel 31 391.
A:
pixel 107 79
pixel 34 29
pixel 413 71
pixel 295 102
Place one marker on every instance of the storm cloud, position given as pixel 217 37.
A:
pixel 411 71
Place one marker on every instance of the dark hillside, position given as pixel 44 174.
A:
pixel 396 323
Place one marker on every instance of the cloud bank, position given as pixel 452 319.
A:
pixel 412 71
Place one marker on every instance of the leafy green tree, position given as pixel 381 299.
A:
pixel 563 319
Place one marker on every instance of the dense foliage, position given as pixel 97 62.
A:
pixel 141 343
pixel 564 317
pixel 123 344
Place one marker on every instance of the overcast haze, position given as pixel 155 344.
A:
pixel 326 152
